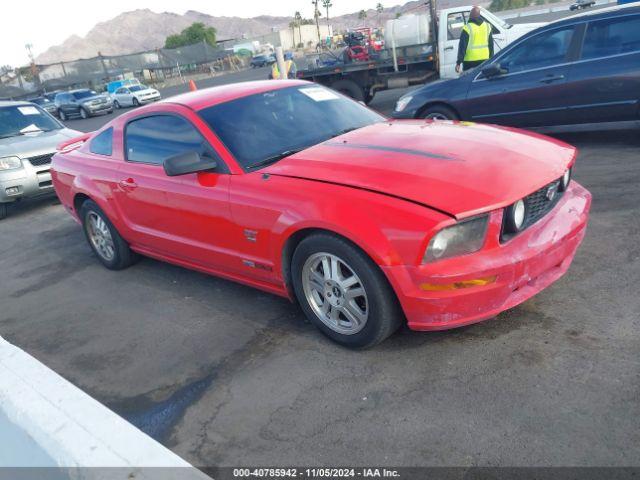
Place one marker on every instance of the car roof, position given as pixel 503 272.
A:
pixel 12 103
pixel 212 96
pixel 609 12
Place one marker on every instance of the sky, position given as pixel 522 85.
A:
pixel 44 23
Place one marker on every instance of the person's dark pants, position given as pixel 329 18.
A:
pixel 469 65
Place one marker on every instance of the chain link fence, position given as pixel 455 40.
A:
pixel 156 67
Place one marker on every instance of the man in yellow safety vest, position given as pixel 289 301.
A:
pixel 476 42
pixel 289 64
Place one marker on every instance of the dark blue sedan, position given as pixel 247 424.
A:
pixel 584 69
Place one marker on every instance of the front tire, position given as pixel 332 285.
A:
pixel 135 102
pixel 105 241
pixel 84 114
pixel 62 115
pixel 116 104
pixel 439 112
pixel 4 211
pixel 343 292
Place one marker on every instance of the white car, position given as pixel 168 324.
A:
pixel 134 95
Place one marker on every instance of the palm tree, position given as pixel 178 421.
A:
pixel 297 18
pixel 362 15
pixel 379 10
pixel 316 15
pixel 327 4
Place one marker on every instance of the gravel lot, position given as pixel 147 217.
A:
pixel 225 375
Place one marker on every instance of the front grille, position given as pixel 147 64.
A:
pixel 537 205
pixel 40 160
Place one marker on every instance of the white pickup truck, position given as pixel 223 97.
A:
pixel 412 54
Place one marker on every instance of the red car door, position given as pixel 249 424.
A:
pixel 184 217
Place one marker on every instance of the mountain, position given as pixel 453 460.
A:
pixel 122 34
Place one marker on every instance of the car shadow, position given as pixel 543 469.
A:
pixel 27 206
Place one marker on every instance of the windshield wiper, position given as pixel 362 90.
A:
pixel 273 158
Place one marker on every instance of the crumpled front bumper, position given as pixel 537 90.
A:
pixel 514 271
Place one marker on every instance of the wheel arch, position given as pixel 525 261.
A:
pixel 82 190
pixel 296 236
pixel 434 103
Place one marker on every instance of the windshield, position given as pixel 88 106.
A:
pixel 137 88
pixel 21 119
pixel 84 94
pixel 40 101
pixel 274 124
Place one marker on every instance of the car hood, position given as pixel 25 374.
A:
pixel 37 143
pixel 459 168
pixel 94 97
pixel 145 91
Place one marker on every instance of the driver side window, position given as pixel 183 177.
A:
pixel 155 138
pixel 544 50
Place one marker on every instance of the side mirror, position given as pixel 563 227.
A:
pixel 493 70
pixel 187 162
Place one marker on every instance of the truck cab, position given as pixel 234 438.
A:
pixel 453 19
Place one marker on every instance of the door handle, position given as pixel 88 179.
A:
pixel 128 184
pixel 552 78
pixel 448 48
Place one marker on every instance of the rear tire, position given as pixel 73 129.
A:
pixel 439 112
pixel 4 211
pixel 355 306
pixel 105 241
pixel 350 89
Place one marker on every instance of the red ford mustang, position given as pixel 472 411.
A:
pixel 294 189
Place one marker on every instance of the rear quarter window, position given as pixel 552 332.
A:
pixel 102 144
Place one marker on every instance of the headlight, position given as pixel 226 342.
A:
pixel 402 103
pixel 10 163
pixel 514 217
pixel 566 178
pixel 465 237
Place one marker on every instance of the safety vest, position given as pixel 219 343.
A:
pixel 275 71
pixel 478 46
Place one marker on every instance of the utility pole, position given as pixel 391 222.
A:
pixel 32 64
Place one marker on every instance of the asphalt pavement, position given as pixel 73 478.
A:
pixel 226 375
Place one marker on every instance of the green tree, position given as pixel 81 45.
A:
pixel 498 5
pixel 195 33
pixel 362 15
pixel 379 10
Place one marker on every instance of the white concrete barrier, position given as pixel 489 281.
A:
pixel 45 421
pixel 507 14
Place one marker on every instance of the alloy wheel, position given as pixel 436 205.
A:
pixel 100 236
pixel 335 293
pixel 436 116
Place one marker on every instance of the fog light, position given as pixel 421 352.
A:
pixel 12 190
pixel 476 282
